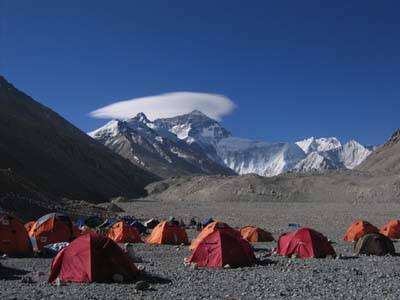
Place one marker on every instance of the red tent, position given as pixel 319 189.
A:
pixel 92 258
pixel 304 243
pixel 220 248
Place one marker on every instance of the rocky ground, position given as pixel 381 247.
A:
pixel 275 278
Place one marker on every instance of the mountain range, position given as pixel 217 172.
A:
pixel 194 143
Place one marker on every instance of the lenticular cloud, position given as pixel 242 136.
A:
pixel 168 105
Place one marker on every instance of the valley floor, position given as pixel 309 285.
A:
pixel 276 278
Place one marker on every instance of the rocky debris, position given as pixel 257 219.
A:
pixel 394 139
pixel 120 199
pixel 111 207
pixel 275 277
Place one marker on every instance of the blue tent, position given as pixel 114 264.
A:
pixel 207 221
pixel 93 221
pixel 128 219
pixel 80 222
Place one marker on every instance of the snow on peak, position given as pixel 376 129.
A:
pixel 194 127
pixel 141 117
pixel 201 133
pixel 247 156
pixel 353 154
pixel 181 131
pixel 319 144
pixel 110 129
pixel 197 112
pixel 315 162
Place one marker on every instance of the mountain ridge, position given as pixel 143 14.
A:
pixel 244 156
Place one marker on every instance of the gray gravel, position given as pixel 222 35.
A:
pixel 276 278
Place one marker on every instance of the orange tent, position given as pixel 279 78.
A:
pixel 255 234
pixel 29 225
pixel 210 228
pixel 121 232
pixel 391 229
pixel 167 233
pixel 358 229
pixel 14 239
pixel 49 229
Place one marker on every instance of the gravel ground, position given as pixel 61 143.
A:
pixel 276 278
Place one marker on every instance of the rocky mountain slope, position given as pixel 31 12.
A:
pixel 196 144
pixel 58 158
pixel 386 159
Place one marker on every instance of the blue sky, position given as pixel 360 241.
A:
pixel 294 68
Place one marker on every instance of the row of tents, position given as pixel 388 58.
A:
pixel 92 256
pixel 18 239
pixel 217 246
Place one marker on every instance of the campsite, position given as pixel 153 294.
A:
pixel 199 150
pixel 346 276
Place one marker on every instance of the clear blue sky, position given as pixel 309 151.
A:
pixel 294 68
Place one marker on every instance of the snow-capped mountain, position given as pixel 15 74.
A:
pixel 196 144
pixel 315 162
pixel 350 154
pixel 156 149
pixel 198 128
pixel 247 156
pixel 319 145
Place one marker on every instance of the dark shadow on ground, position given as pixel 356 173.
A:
pixel 269 250
pixel 7 273
pixel 155 279
pixel 266 262
pixel 348 257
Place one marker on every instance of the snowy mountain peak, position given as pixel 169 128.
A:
pixel 201 144
pixel 194 127
pixel 353 153
pixel 197 112
pixel 319 144
pixel 140 118
pixel 111 129
pixel 315 162
pixel 353 143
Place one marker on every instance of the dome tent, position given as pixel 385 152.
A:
pixel 220 248
pixel 92 258
pixel 391 229
pixel 304 243
pixel 51 228
pixel 374 244
pixel 210 228
pixel 122 232
pixel 255 234
pixel 14 239
pixel 358 229
pixel 167 233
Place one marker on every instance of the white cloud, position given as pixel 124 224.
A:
pixel 168 105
